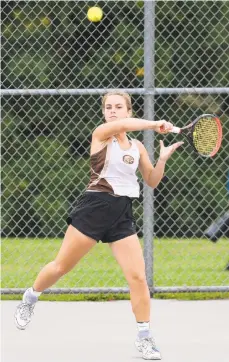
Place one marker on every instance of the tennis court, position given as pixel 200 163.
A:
pixel 185 331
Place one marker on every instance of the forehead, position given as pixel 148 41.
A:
pixel 115 99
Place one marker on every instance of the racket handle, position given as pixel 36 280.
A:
pixel 174 129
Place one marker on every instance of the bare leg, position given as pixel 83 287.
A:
pixel 128 253
pixel 75 245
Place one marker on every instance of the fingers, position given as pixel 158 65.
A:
pixel 166 152
pixel 174 146
pixel 169 126
pixel 165 126
pixel 177 144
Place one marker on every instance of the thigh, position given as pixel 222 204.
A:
pixel 75 245
pixel 129 255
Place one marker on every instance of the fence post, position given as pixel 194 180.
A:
pixel 148 193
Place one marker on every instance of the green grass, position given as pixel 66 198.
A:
pixel 111 297
pixel 185 262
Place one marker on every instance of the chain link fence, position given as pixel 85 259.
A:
pixel 55 66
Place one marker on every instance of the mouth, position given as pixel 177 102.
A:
pixel 113 117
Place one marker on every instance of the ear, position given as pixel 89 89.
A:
pixel 130 113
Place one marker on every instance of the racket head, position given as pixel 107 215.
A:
pixel 205 134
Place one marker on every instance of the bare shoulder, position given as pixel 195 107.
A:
pixel 140 146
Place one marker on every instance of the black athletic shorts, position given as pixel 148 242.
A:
pixel 102 216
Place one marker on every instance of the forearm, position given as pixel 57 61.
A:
pixel 156 174
pixel 110 129
pixel 136 124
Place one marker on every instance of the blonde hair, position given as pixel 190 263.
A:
pixel 123 94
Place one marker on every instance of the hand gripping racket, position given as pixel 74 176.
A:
pixel 204 134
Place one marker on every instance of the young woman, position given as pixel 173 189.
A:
pixel 104 212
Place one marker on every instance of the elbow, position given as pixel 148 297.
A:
pixel 153 181
pixel 153 185
pixel 156 184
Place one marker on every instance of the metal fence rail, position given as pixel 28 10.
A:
pixel 201 289
pixel 173 58
pixel 140 91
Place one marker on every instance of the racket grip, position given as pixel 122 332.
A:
pixel 174 129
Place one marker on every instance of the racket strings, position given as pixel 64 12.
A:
pixel 206 136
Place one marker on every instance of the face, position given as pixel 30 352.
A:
pixel 115 108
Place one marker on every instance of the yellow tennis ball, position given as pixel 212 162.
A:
pixel 95 14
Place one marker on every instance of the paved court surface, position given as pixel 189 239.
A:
pixel 185 331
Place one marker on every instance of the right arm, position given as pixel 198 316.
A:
pixel 107 130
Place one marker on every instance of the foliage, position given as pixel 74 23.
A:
pixel 52 45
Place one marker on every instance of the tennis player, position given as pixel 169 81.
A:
pixel 104 212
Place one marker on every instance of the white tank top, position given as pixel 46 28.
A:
pixel 113 170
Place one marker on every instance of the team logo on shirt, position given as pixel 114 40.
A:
pixel 128 159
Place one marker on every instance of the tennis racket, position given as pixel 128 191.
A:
pixel 204 134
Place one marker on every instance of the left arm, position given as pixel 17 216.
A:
pixel 153 175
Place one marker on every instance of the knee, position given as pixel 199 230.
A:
pixel 138 279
